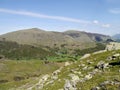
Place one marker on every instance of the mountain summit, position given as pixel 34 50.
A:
pixel 71 38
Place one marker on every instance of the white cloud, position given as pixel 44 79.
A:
pixel 103 25
pixel 96 22
pixel 61 18
pixel 106 25
pixel 38 15
pixel 115 11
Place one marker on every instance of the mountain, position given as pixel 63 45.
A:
pixel 13 50
pixel 87 37
pixel 70 39
pixel 116 37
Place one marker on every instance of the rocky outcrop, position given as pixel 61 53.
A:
pixel 113 46
pixel 102 86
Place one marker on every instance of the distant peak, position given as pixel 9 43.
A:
pixel 32 30
pixel 73 31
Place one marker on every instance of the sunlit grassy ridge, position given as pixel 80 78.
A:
pixel 23 74
pixel 109 74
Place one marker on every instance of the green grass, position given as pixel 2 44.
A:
pixel 23 69
pixel 109 73
pixel 13 50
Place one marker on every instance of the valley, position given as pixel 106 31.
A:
pixel 26 66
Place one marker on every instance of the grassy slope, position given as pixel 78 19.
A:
pixel 12 50
pixel 10 70
pixel 35 68
pixel 109 74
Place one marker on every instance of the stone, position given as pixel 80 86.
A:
pixel 109 58
pixel 87 77
pixel 85 56
pixel 115 56
pixel 113 46
pixel 98 52
pixel 54 77
pixel 45 77
pixel 67 64
pixel 56 72
pixel 85 68
pixel 95 88
pixel 82 65
pixel 102 65
pixel 119 71
pixel 74 77
pixel 68 85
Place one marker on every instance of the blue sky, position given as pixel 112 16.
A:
pixel 97 16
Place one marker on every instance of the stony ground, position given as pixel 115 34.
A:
pixel 98 71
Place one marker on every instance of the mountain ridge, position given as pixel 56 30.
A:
pixel 71 38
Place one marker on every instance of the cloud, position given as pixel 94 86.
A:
pixel 106 25
pixel 115 11
pixel 61 18
pixel 101 24
pixel 38 15
pixel 96 22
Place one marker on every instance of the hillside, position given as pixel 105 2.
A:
pixel 13 50
pixel 116 37
pixel 98 71
pixel 71 38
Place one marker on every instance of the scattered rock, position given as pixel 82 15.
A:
pixel 115 56
pixel 82 65
pixel 95 88
pixel 56 72
pixel 69 85
pixel 54 77
pixel 102 65
pixel 67 64
pixel 85 68
pixel 113 46
pixel 85 56
pixel 74 77
pixel 119 71
pixel 101 51
pixel 87 77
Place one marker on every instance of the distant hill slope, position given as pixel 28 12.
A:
pixel 71 39
pixel 116 37
pixel 12 50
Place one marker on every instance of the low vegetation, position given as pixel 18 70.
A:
pixel 12 50
pixel 98 47
pixel 14 73
pixel 24 66
pixel 105 79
